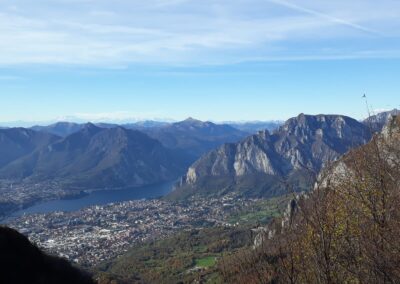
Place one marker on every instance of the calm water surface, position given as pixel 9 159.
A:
pixel 99 198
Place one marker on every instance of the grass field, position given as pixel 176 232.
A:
pixel 262 211
pixel 208 261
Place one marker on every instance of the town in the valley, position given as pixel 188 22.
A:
pixel 99 233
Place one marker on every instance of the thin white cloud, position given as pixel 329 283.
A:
pixel 184 32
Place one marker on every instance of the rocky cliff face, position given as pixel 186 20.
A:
pixel 348 167
pixel 353 166
pixel 298 148
pixel 377 122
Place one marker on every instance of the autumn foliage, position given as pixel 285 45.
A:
pixel 346 230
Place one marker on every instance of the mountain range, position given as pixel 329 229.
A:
pixel 195 137
pixel 266 163
pixel 217 158
pixel 64 128
pixel 102 155
pixel 97 157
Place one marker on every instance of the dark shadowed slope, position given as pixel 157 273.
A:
pixel 22 262
pixel 18 142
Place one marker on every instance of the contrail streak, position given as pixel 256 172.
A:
pixel 324 16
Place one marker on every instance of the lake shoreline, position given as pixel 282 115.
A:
pixel 86 198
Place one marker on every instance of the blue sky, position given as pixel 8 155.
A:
pixel 214 60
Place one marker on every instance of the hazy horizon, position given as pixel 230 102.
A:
pixel 78 120
pixel 123 121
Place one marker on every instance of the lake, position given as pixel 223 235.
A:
pixel 100 197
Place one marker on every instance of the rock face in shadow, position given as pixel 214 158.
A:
pixel 22 262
